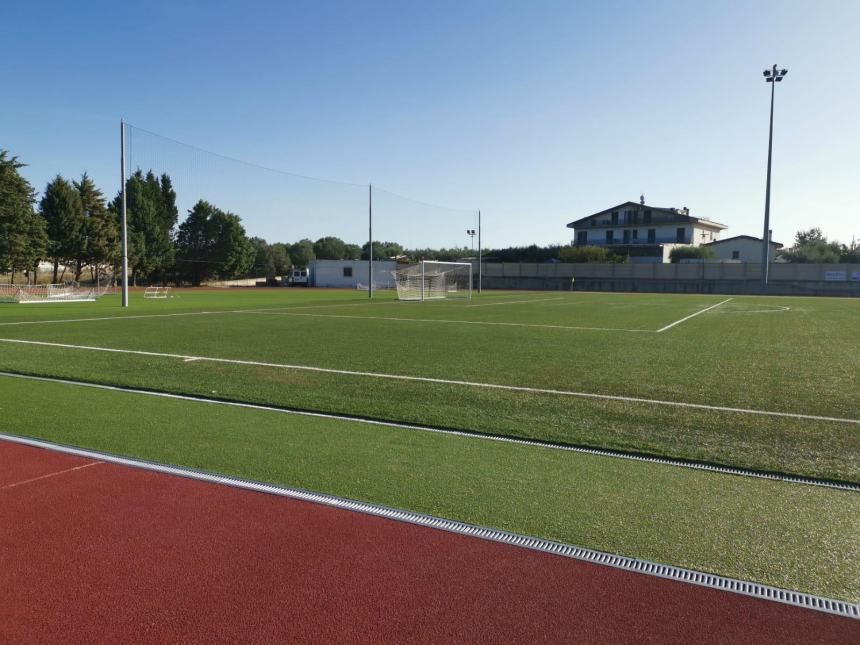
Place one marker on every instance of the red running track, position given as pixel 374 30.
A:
pixel 92 551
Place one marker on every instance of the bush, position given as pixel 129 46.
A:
pixel 690 253
pixel 584 254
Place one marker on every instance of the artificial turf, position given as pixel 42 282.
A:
pixel 782 354
pixel 790 535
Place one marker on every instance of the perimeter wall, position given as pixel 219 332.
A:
pixel 700 277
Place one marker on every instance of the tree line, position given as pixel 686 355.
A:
pixel 75 229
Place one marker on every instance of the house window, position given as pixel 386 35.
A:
pixel 679 234
pixel 615 218
pixel 582 237
pixel 652 234
pixel 627 237
pixel 347 272
pixel 635 234
pixel 610 237
pixel 647 217
pixel 736 255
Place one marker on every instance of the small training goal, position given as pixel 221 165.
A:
pixel 157 293
pixel 430 280
pixel 46 293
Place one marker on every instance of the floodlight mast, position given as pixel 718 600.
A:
pixel 772 76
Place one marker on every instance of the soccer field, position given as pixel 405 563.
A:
pixel 765 385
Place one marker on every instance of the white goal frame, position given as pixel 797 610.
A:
pixel 423 292
pixel 28 294
pixel 157 293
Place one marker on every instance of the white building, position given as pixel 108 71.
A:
pixel 644 233
pixel 350 274
pixel 741 248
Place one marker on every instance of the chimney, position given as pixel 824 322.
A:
pixel 642 199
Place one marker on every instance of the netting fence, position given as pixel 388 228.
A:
pixel 311 217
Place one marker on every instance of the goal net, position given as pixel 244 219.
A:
pixel 434 281
pixel 157 293
pixel 46 293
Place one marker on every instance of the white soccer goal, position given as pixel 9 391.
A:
pixel 46 293
pixel 157 293
pixel 430 280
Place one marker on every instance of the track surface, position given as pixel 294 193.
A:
pixel 94 551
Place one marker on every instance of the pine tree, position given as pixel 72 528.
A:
pixel 102 229
pixel 22 233
pixel 64 221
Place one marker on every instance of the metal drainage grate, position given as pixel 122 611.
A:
pixel 753 589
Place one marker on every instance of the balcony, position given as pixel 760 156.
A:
pixel 619 241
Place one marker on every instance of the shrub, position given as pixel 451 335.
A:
pixel 583 254
pixel 690 253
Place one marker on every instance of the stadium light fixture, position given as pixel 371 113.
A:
pixel 773 76
pixel 472 233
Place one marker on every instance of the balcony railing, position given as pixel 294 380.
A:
pixel 660 239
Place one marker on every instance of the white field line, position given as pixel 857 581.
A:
pixel 444 321
pixel 701 311
pixel 440 381
pixel 76 320
pixel 776 309
pixel 599 452
pixel 512 302
pixel 59 472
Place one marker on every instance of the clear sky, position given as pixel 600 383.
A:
pixel 537 113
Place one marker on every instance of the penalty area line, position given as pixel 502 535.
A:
pixel 429 379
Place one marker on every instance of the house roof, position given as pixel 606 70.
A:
pixel 677 212
pixel 742 237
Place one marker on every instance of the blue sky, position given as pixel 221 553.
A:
pixel 537 113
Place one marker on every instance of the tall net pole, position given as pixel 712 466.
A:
pixel 370 240
pixel 123 215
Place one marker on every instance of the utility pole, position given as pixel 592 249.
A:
pixel 772 76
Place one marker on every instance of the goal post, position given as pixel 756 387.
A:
pixel 431 280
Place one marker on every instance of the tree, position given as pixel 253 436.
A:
pixel 212 243
pixel 64 222
pixel 812 246
pixel 352 252
pixel 302 252
pixel 101 229
pixel 264 261
pixel 280 258
pixel 152 216
pixel 383 250
pixel 23 240
pixel 330 248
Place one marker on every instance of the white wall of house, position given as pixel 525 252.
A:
pixel 347 274
pixel 742 249
pixel 663 234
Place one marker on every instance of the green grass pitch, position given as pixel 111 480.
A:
pixel 734 381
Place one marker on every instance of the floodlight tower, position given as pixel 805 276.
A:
pixel 472 233
pixel 772 76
